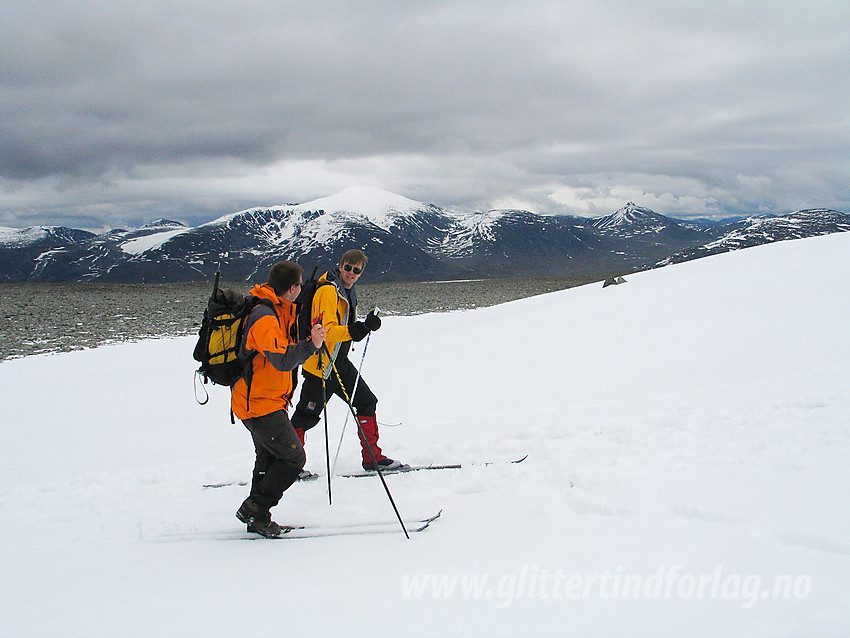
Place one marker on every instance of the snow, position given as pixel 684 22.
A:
pixel 8 234
pixel 381 207
pixel 630 214
pixel 471 229
pixel 301 228
pixel 687 437
pixel 22 235
pixel 149 242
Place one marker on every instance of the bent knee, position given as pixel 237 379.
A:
pixel 299 458
pixel 293 456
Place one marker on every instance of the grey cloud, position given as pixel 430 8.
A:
pixel 479 101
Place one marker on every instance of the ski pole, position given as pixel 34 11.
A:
pixel 327 450
pixel 365 442
pixel 356 383
pixel 317 321
pixel 377 312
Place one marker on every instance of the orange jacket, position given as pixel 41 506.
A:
pixel 274 368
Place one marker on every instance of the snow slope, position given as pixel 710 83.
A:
pixel 687 436
pixel 379 206
pixel 472 229
pixel 22 235
pixel 150 242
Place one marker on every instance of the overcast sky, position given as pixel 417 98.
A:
pixel 113 114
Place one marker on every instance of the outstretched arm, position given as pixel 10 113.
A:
pixel 266 336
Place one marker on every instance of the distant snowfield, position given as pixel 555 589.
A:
pixel 687 433
pixel 140 245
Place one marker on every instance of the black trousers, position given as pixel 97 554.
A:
pixel 280 457
pixel 309 408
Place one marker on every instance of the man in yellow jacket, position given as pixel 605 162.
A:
pixel 262 397
pixel 335 305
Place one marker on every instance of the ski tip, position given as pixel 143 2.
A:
pixel 520 460
pixel 425 523
pixel 433 518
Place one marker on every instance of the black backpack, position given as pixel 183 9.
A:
pixel 220 338
pixel 304 304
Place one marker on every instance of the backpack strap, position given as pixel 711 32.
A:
pixel 248 359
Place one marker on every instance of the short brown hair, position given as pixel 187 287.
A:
pixel 353 257
pixel 283 275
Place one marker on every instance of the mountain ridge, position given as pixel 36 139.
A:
pixel 405 240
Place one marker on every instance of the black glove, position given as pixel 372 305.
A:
pixel 372 321
pixel 358 330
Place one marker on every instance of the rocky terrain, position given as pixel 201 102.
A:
pixel 44 317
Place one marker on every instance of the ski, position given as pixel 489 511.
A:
pixel 313 531
pixel 305 475
pixel 228 484
pixel 402 470
pixel 420 468
pixel 354 529
pixel 414 522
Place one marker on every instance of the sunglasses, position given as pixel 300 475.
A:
pixel 349 268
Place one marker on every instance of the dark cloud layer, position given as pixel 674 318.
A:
pixel 113 114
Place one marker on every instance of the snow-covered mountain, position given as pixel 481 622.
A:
pixel 754 231
pixel 635 219
pixel 382 208
pixel 405 240
pixel 655 234
pixel 25 251
pixel 42 236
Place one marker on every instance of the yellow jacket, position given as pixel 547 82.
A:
pixel 331 303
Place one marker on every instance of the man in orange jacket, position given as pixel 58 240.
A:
pixel 262 397
pixel 336 305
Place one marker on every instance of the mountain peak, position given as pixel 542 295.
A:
pixel 363 200
pixel 379 206
pixel 633 209
pixel 629 215
pixel 163 223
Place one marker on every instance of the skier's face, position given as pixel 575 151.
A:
pixel 292 293
pixel 350 273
